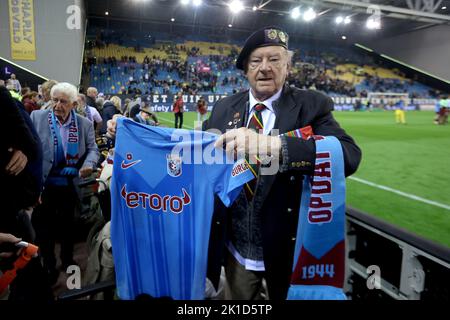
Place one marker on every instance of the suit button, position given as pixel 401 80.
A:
pixel 218 222
pixel 289 209
pixel 293 238
pixel 292 178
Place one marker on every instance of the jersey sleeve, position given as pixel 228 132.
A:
pixel 229 180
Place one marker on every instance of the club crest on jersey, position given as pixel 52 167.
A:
pixel 173 165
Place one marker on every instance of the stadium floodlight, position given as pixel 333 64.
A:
pixel 339 19
pixel 196 3
pixel 309 15
pixel 106 13
pixel 373 24
pixel 295 13
pixel 347 20
pixel 173 19
pixel 230 25
pixel 444 7
pixel 236 6
pixel 185 2
pixel 255 8
pixel 344 37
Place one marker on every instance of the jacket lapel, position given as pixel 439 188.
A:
pixel 51 145
pixel 238 116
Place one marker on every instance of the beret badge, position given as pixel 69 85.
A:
pixel 272 34
pixel 282 36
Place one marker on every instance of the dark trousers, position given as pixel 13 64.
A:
pixel 242 284
pixel 178 115
pixel 54 219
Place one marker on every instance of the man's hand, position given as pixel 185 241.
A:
pixel 7 238
pixel 111 126
pixel 244 141
pixel 17 163
pixel 85 172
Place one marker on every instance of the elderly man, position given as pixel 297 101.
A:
pixel 144 116
pixel 70 153
pixel 91 113
pixel 259 229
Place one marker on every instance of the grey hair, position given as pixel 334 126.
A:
pixel 65 88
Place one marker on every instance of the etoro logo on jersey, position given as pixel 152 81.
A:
pixel 156 202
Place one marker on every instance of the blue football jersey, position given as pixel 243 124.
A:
pixel 163 186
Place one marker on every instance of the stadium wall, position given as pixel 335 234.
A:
pixel 426 49
pixel 59 28
pixel 164 102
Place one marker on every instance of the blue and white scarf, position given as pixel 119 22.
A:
pixel 71 156
pixel 319 260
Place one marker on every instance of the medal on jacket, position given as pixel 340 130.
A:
pixel 235 120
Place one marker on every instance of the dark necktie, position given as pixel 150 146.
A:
pixel 256 123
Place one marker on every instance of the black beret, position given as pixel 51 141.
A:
pixel 268 36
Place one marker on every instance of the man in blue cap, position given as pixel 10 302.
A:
pixel 255 237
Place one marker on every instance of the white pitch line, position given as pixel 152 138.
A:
pixel 168 120
pixel 404 194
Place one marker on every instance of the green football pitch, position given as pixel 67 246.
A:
pixel 404 176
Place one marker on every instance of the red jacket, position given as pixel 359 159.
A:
pixel 178 105
pixel 201 107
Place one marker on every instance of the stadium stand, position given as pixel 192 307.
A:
pixel 210 69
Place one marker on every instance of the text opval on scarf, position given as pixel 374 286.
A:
pixel 320 210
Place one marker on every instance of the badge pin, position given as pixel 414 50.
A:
pixel 230 123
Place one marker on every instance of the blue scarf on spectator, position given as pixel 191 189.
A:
pixel 71 156
pixel 319 259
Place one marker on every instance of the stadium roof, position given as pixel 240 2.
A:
pixel 214 17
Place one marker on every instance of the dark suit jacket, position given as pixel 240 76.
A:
pixel 281 193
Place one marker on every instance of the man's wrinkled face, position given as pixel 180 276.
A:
pixel 267 69
pixel 62 106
